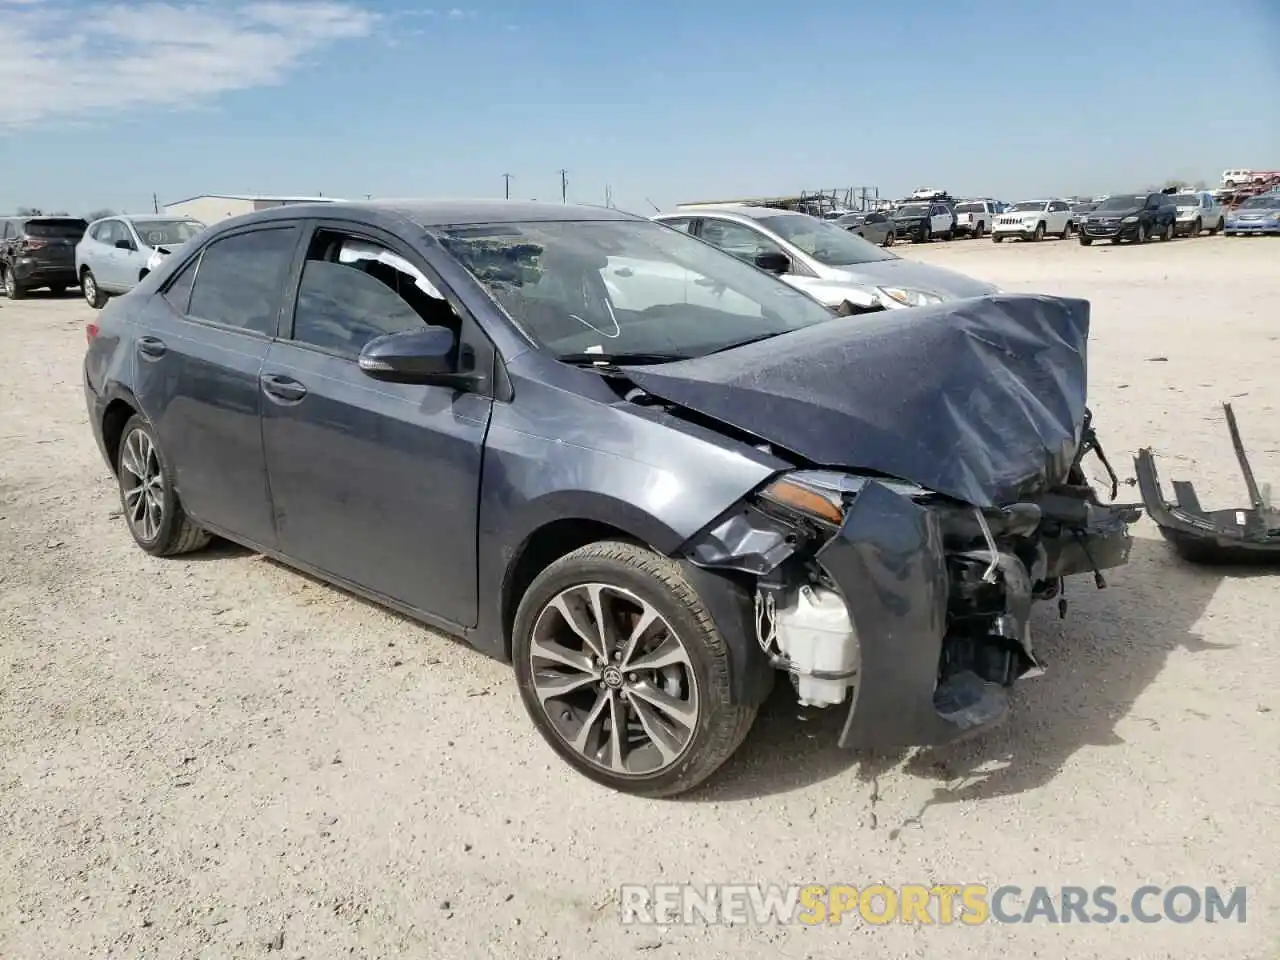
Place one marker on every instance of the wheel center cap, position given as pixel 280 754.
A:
pixel 612 677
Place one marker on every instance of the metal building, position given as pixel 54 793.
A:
pixel 210 208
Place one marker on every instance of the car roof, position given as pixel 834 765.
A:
pixel 751 213
pixel 145 217
pixel 439 213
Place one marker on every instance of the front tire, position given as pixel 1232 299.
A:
pixel 643 706
pixel 1143 236
pixel 1218 229
pixel 93 294
pixel 980 230
pixel 1169 231
pixel 151 507
pixel 1039 233
pixel 889 239
pixel 1085 241
pixel 1196 228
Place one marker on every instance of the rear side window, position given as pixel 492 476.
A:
pixel 240 279
pixel 178 293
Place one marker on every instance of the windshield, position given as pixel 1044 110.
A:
pixel 1186 200
pixel 913 210
pixel 166 233
pixel 1264 202
pixel 825 242
pixel 1084 207
pixel 969 208
pixel 49 229
pixel 1124 202
pixel 1028 206
pixel 627 287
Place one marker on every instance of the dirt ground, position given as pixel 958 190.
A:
pixel 216 757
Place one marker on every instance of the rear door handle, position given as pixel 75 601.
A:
pixel 284 389
pixel 151 347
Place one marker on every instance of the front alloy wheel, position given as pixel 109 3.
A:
pixel 623 672
pixel 93 294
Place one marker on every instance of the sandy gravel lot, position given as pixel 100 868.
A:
pixel 216 757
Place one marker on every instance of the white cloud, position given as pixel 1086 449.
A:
pixel 75 62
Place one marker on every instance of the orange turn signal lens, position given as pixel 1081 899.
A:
pixel 799 497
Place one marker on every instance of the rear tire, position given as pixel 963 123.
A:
pixel 93 294
pixel 12 288
pixel 980 230
pixel 660 756
pixel 152 511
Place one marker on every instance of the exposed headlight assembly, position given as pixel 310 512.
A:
pixel 908 297
pixel 1129 220
pixel 824 494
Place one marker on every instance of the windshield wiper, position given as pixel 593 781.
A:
pixel 620 359
pixel 743 343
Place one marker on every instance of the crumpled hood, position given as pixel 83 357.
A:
pixel 981 399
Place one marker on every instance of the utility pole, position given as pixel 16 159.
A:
pixel 506 180
pixel 155 204
pixel 608 196
pixel 564 186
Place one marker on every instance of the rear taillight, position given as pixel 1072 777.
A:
pixel 90 332
pixel 33 243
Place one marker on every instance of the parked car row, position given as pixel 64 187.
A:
pixel 104 258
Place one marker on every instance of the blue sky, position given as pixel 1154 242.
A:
pixel 102 105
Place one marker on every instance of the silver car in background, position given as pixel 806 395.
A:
pixel 117 252
pixel 821 258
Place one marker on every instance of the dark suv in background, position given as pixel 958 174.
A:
pixel 1130 216
pixel 38 252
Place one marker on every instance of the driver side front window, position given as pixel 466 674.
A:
pixel 743 242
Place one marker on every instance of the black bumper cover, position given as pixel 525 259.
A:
pixel 1236 535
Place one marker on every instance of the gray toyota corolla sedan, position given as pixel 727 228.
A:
pixel 650 475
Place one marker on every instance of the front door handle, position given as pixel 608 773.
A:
pixel 285 389
pixel 151 347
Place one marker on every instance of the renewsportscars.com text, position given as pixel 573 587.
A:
pixel 926 904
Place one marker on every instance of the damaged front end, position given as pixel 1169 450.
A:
pixel 912 606
pixel 1237 535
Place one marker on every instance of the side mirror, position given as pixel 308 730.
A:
pixel 123 245
pixel 427 355
pixel 773 262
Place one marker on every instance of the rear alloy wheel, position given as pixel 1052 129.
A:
pixel 93 295
pixel 624 673
pixel 12 288
pixel 980 230
pixel 151 508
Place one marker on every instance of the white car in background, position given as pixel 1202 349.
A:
pixel 1199 210
pixel 975 218
pixel 1034 220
